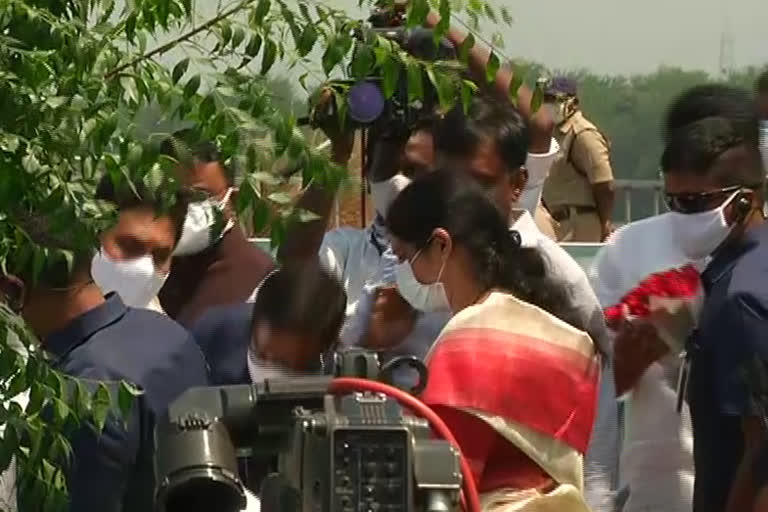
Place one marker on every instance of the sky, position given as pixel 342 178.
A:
pixel 633 36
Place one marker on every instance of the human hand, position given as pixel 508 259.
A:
pixel 636 347
pixel 342 136
pixel 392 320
pixel 607 230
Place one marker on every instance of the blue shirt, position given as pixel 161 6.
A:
pixel 112 343
pixel 224 334
pixel 733 329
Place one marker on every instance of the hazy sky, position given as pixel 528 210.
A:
pixel 625 36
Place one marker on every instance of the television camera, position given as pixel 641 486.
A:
pixel 346 453
pixel 366 104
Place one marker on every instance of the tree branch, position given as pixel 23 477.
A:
pixel 175 42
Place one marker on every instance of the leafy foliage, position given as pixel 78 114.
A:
pixel 75 77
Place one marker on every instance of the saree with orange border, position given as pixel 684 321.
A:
pixel 518 387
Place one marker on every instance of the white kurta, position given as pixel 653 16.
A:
pixel 657 455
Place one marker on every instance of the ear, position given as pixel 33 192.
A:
pixel 442 240
pixel 13 292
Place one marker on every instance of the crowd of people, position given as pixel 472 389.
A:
pixel 554 408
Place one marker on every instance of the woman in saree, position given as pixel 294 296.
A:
pixel 516 385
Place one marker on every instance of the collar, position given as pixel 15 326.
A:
pixel 728 256
pixel 567 126
pixel 81 329
pixel 378 234
pixel 522 222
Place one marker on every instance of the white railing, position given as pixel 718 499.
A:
pixel 626 190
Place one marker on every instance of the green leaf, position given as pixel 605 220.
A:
pixel 179 69
pixel 444 24
pixel 497 40
pixel 61 410
pixel 270 54
pixel 226 34
pixel 18 384
pixel 101 403
pixel 466 45
pixel 56 101
pixel 444 86
pixel 332 56
pixel 254 45
pixel 190 89
pixel 260 216
pixel 537 99
pixel 207 108
pixel 82 399
pixel 362 60
pixel 262 9
pixel 490 12
pixel 307 40
pixel 280 198
pixel 36 398
pixel 514 86
pixel 238 37
pixel 506 16
pixel 126 396
pixel 129 89
pixel 417 12
pixel 390 73
pixel 130 27
pixel 492 67
pixel 30 163
pixel 415 81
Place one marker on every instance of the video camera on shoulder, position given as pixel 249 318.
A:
pixel 366 104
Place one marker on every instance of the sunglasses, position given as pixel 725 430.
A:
pixel 700 201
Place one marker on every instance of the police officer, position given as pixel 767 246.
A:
pixel 579 191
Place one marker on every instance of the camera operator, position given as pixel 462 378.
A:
pixel 289 330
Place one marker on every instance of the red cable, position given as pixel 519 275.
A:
pixel 351 385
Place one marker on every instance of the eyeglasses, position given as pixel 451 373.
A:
pixel 701 201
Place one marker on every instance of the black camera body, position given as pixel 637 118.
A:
pixel 397 112
pixel 344 453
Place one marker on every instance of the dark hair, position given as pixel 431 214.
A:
pixel 304 298
pixel 126 197
pixel 187 143
pixel 454 202
pixel 713 100
pixel 696 148
pixel 761 85
pixel 69 252
pixel 459 134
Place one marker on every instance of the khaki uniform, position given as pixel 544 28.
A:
pixel 545 222
pixel 584 160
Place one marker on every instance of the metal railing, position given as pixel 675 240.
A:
pixel 647 191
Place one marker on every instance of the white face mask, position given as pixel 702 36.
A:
pixel 136 281
pixel 429 298
pixel 261 369
pixel 384 192
pixel 199 231
pixel 699 234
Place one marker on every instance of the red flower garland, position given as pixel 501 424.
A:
pixel 676 283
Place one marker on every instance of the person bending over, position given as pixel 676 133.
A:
pixel 289 330
pixel 524 439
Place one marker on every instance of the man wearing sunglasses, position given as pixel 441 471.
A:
pixel 714 180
